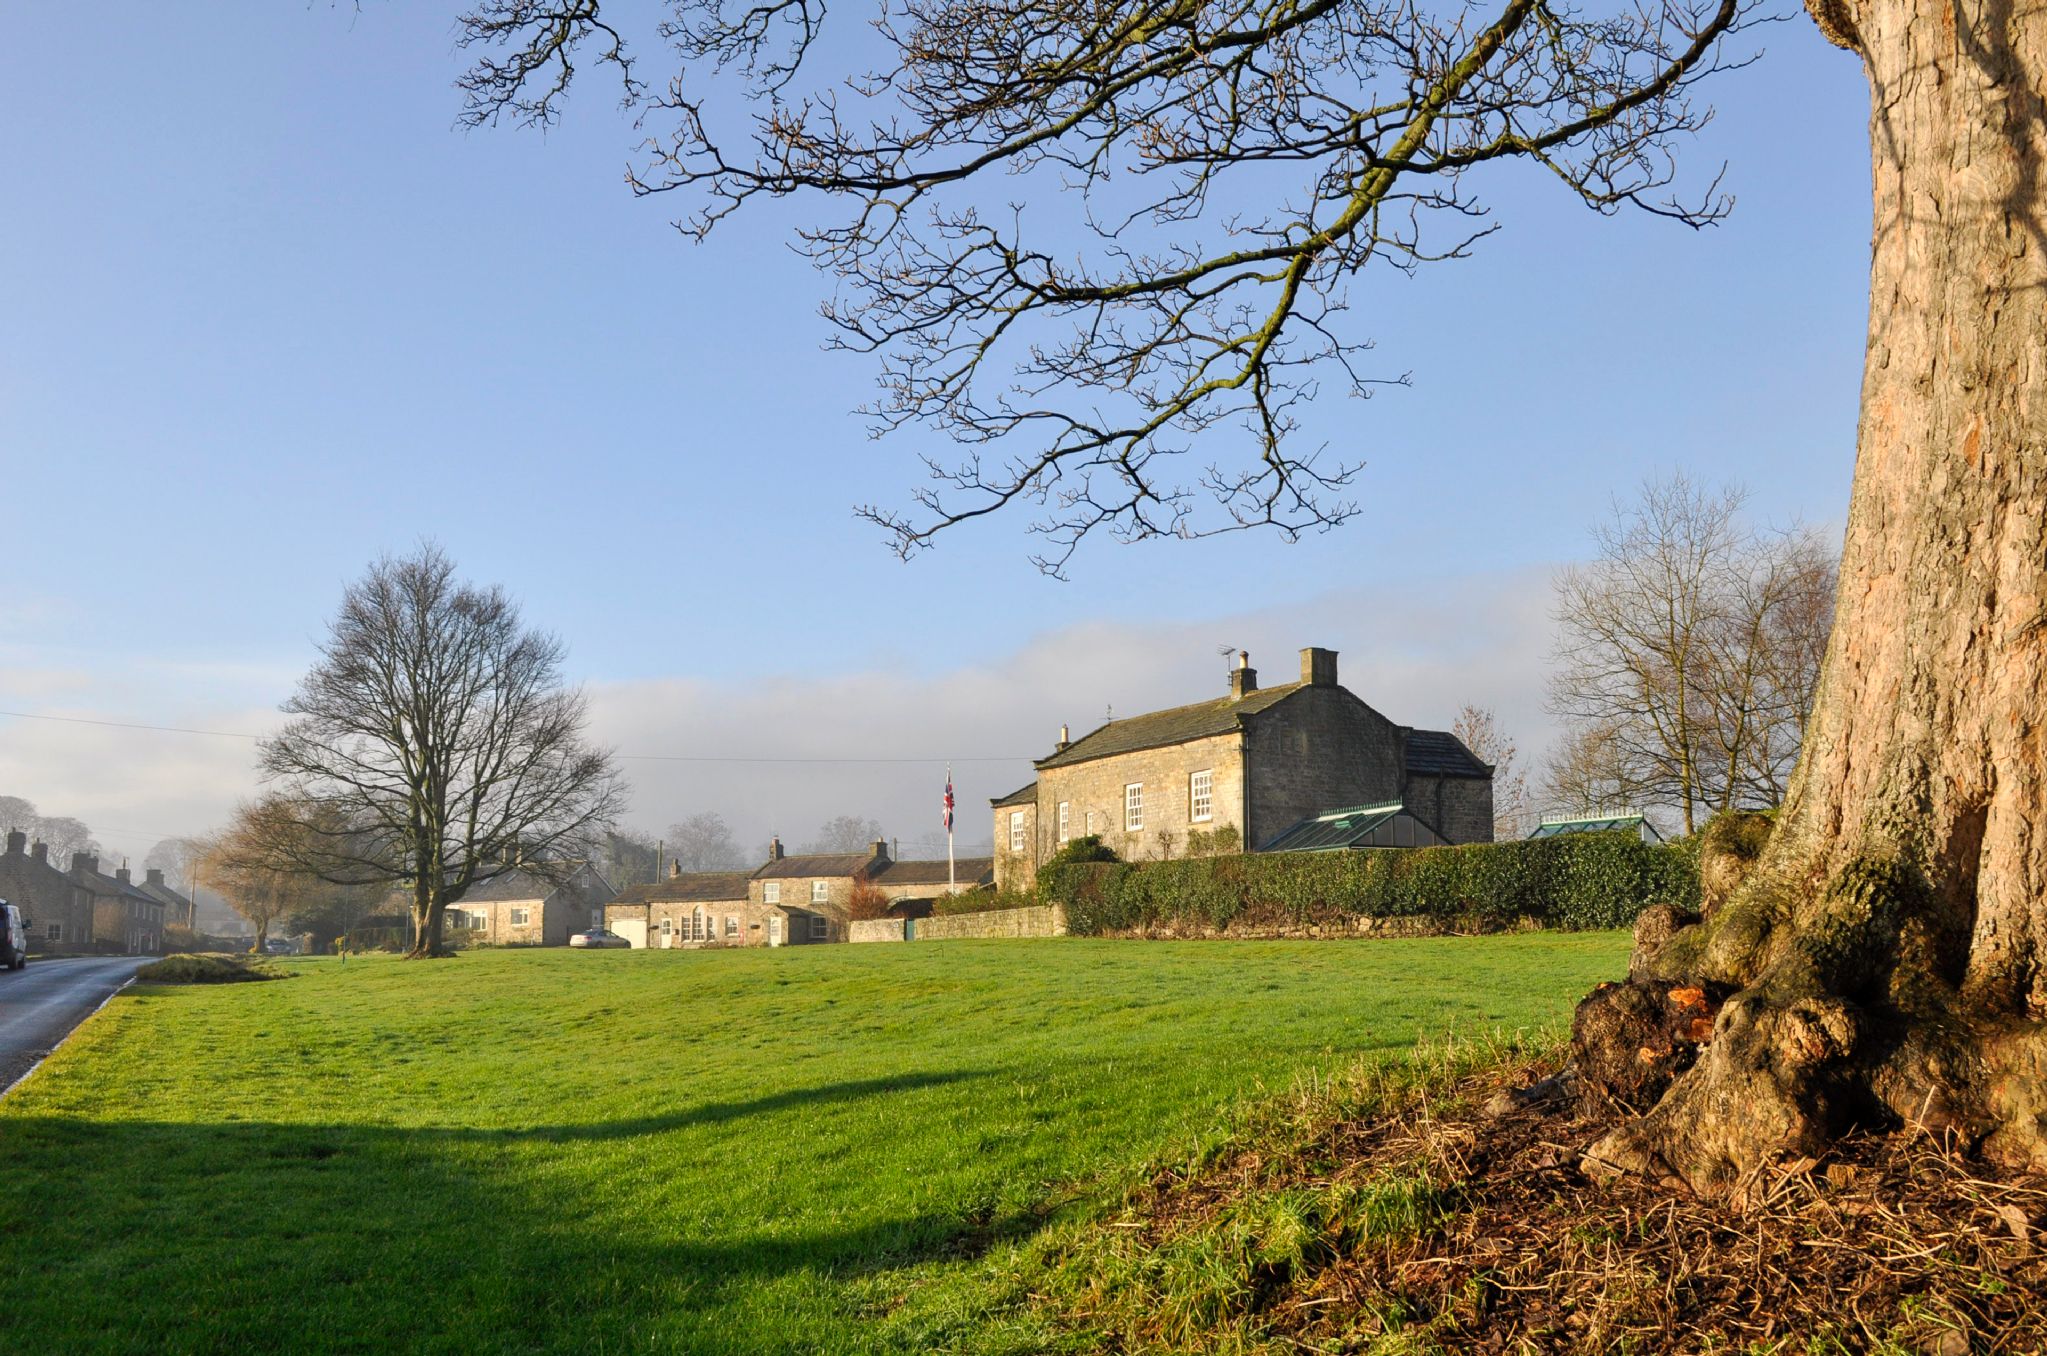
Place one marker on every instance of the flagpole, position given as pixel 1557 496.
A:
pixel 952 884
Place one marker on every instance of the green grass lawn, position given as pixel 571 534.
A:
pixel 813 1149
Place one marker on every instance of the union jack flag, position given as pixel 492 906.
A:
pixel 948 800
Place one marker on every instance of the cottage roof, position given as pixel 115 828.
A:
pixel 967 870
pixel 1023 795
pixel 100 883
pixel 691 887
pixel 1438 753
pixel 1156 729
pixel 520 883
pixel 816 864
pixel 164 894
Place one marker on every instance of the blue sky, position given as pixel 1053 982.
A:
pixel 265 312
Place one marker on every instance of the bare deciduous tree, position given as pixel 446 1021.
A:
pixel 434 746
pixel 703 842
pixel 1491 745
pixel 1685 644
pixel 845 833
pixel 1890 952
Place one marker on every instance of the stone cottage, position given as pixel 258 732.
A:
pixel 521 908
pixel 691 908
pixel 124 918
pixel 58 909
pixel 177 909
pixel 821 885
pixel 1257 760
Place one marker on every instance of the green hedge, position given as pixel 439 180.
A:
pixel 1589 880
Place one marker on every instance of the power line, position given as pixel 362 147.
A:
pixel 630 757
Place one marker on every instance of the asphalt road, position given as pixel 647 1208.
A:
pixel 40 1005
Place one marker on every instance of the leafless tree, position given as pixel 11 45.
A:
pixel 627 857
pixel 1491 745
pixel 434 746
pixel 1686 644
pixel 845 833
pixel 703 842
pixel 62 834
pixel 1226 170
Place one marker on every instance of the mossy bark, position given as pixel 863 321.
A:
pixel 1889 948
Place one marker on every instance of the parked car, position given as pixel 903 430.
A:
pixel 13 937
pixel 598 937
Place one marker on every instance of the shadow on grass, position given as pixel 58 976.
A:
pixel 149 1235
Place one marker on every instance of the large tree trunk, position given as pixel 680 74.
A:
pixel 429 911
pixel 1889 951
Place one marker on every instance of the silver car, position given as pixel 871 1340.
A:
pixel 598 937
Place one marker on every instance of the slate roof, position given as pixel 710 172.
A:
pixel 100 883
pixel 1023 795
pixel 1156 729
pixel 522 884
pixel 816 864
pixel 1438 753
pixel 969 871
pixel 164 894
pixel 691 887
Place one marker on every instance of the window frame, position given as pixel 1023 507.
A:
pixel 731 925
pixel 53 932
pixel 1133 807
pixel 820 928
pixel 1201 802
pixel 1018 840
pixel 520 918
pixel 1065 822
pixel 820 892
pixel 771 892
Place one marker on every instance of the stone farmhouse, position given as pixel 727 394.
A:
pixel 1259 761
pixel 788 901
pixel 519 908
pixel 58 909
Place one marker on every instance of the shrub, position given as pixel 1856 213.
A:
pixel 1574 881
pixel 982 901
pixel 1087 848
pixel 866 901
pixel 202 969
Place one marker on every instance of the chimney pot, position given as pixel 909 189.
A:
pixel 1065 736
pixel 1318 667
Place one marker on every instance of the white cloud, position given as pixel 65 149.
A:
pixel 1417 654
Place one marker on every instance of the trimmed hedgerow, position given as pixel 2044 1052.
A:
pixel 1591 880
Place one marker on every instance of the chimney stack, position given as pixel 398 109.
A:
pixel 1243 678
pixel 775 848
pixel 122 874
pixel 153 876
pixel 1318 667
pixel 674 868
pixel 1065 738
pixel 878 850
pixel 40 852
pixel 17 842
pixel 84 861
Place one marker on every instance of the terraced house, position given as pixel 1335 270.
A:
pixel 1253 766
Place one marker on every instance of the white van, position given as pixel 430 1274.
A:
pixel 13 937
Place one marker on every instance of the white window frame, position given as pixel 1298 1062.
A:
pixel 820 892
pixel 1201 796
pixel 1133 807
pixel 820 929
pixel 53 932
pixel 1065 821
pixel 1016 831
pixel 521 917
pixel 731 925
pixel 771 893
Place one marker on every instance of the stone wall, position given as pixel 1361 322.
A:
pixel 1419 925
pixel 876 930
pixel 1459 808
pixel 1093 793
pixel 1038 920
pixel 1016 870
pixel 1320 749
